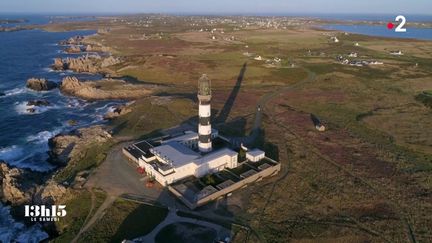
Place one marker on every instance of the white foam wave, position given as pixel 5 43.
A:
pixel 49 70
pixel 24 109
pixel 43 137
pixel 15 91
pixel 12 231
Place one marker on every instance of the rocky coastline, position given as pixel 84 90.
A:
pixel 19 187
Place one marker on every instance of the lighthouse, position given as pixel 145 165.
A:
pixel 204 111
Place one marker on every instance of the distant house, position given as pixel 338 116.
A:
pixel 320 128
pixel 345 61
pixel 375 63
pixel 396 53
pixel 334 39
pixel 353 54
pixel 317 123
pixel 258 58
pixel 356 44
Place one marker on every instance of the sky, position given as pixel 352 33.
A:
pixel 219 6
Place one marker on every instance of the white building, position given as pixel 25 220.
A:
pixel 353 54
pixel 396 53
pixel 178 158
pixel 255 155
pixel 191 153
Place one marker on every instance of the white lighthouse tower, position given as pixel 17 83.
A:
pixel 204 126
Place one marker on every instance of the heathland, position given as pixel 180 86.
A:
pixel 366 178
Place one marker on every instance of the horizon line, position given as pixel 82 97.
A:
pixel 309 14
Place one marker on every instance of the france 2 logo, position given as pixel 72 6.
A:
pixel 43 213
pixel 400 27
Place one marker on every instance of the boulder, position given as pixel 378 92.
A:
pixel 70 85
pixel 110 61
pixel 119 110
pixel 59 65
pixel 76 40
pixel 40 84
pixel 38 103
pixel 88 48
pixel 31 110
pixel 73 49
pixel 72 122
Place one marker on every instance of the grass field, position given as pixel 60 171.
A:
pixel 125 220
pixel 78 210
pixel 366 179
pixel 92 157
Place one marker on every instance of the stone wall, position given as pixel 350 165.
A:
pixel 256 177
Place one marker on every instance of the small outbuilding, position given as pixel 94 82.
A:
pixel 255 155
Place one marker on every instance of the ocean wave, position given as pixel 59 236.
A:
pixel 11 153
pixel 32 156
pixel 23 109
pixel 76 103
pixel 15 91
pixel 48 70
pixel 12 231
pixel 43 137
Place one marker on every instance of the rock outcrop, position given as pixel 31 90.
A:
pixel 76 40
pixel 110 61
pixel 40 84
pixel 90 63
pixel 38 103
pixel 2 94
pixel 50 193
pixel 73 49
pixel 21 186
pixel 64 147
pixel 95 90
pixel 117 111
pixel 83 64
pixel 11 188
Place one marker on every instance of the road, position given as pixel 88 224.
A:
pixel 172 218
pixel 118 176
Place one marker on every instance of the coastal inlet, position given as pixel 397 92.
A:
pixel 30 116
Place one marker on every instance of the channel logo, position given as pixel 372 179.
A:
pixel 41 213
pixel 400 27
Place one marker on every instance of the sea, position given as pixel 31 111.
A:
pixel 23 134
pixel 419 33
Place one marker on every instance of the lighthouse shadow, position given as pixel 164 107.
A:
pixel 226 109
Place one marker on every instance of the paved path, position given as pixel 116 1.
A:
pixel 118 176
pixel 172 217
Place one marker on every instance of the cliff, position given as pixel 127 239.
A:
pixel 21 186
pixel 65 147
